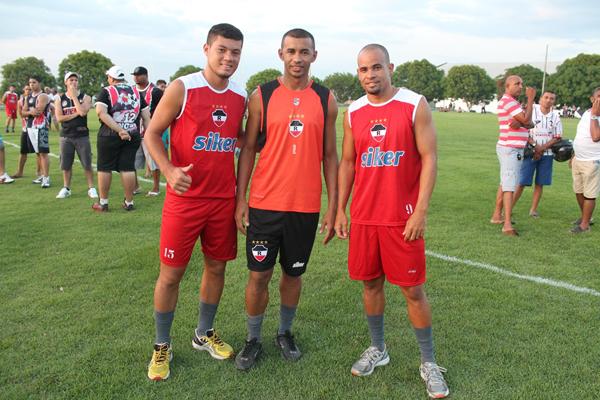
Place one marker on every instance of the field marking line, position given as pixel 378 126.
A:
pixel 93 165
pixel 536 279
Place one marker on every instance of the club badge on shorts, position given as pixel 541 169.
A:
pixel 259 252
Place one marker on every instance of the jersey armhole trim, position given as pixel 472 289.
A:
pixel 414 113
pixel 185 95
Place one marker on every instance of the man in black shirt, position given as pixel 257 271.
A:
pixel 152 96
pixel 120 108
pixel 71 111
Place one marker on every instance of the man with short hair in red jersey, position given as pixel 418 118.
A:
pixel 10 99
pixel 204 111
pixel 389 155
pixel 292 119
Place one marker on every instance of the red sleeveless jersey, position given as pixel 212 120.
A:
pixel 288 174
pixel 388 165
pixel 11 100
pixel 205 134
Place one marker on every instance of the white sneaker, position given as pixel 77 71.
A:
pixel 45 182
pixel 6 178
pixel 370 358
pixel 37 180
pixel 431 373
pixel 64 193
pixel 92 193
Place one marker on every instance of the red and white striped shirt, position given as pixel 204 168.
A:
pixel 508 107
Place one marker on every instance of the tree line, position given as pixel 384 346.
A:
pixel 572 82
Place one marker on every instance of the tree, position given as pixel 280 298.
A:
pixel 19 71
pixel 90 66
pixel 575 79
pixel 422 77
pixel 531 76
pixel 470 83
pixel 345 86
pixel 317 80
pixel 185 70
pixel 264 76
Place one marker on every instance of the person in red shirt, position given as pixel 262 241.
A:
pixel 389 155
pixel 293 120
pixel 205 111
pixel 10 100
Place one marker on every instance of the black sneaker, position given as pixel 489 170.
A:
pixel 127 207
pixel 249 354
pixel 287 345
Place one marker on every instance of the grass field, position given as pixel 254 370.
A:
pixel 76 289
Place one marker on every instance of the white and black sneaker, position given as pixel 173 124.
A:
pixel 45 182
pixel 370 358
pixel 37 180
pixel 63 193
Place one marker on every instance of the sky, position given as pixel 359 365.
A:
pixel 164 35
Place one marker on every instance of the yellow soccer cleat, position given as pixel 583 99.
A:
pixel 212 343
pixel 158 369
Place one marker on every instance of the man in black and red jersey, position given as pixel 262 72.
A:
pixel 205 111
pixel 293 120
pixel 152 94
pixel 120 109
pixel 71 110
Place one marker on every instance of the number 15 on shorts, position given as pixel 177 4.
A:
pixel 169 253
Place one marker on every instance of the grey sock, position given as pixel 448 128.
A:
pixel 206 317
pixel 376 330
pixel 163 322
pixel 286 317
pixel 425 340
pixel 255 326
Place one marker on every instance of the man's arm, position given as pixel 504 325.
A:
pixel 4 97
pixel 330 169
pixel 425 138
pixel 595 123
pixel 167 110
pixel 246 161
pixel 523 119
pixel 39 108
pixel 345 179
pixel 104 116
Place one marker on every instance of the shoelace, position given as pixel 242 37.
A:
pixel 161 355
pixel 370 355
pixel 434 374
pixel 247 348
pixel 290 341
pixel 216 339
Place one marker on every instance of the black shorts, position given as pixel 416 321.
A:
pixel 115 154
pixel 292 233
pixel 43 145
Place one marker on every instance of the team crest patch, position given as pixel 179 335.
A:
pixel 219 117
pixel 259 252
pixel 296 101
pixel 296 127
pixel 64 103
pixel 378 132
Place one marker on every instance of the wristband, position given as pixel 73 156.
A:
pixel 596 117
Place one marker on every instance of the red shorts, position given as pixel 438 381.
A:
pixel 184 220
pixel 381 250
pixel 11 112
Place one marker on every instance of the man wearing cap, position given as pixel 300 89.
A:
pixel 71 111
pixel 152 96
pixel 119 107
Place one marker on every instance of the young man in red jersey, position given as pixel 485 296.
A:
pixel 10 99
pixel 205 111
pixel 389 142
pixel 293 120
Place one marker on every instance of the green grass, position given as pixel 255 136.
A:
pixel 77 287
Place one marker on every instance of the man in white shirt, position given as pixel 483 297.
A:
pixel 586 163
pixel 546 132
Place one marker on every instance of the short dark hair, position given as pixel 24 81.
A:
pixel 549 91
pixel 227 31
pixel 298 33
pixel 159 81
pixel 595 91
pixel 375 46
pixel 36 77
